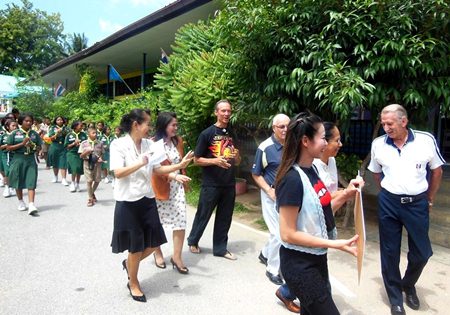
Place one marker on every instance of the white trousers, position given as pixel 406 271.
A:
pixel 272 248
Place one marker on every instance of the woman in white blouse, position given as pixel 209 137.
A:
pixel 326 165
pixel 137 227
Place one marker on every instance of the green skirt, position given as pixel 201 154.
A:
pixel 5 162
pixel 105 164
pixel 57 155
pixel 23 172
pixel 74 163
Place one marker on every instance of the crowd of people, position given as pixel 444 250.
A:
pixel 295 169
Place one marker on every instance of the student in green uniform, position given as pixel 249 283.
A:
pixel 91 151
pixel 100 129
pixel 5 157
pixel 106 141
pixel 23 172
pixel 118 133
pixel 57 153
pixel 74 161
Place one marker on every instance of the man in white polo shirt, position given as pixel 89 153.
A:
pixel 400 162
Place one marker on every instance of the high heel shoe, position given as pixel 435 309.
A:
pixel 124 264
pixel 141 298
pixel 183 270
pixel 162 266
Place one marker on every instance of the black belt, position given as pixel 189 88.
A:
pixel 403 199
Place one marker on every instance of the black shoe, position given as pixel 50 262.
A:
pixel 411 299
pixel 397 310
pixel 162 266
pixel 141 298
pixel 262 259
pixel 274 278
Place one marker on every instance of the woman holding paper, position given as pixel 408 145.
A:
pixel 137 227
pixel 307 226
pixel 169 190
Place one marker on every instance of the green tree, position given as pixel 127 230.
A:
pixel 76 43
pixel 330 56
pixel 30 39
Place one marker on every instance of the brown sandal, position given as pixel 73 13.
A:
pixel 90 203
pixel 194 249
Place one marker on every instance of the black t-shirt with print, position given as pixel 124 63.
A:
pixel 289 192
pixel 216 142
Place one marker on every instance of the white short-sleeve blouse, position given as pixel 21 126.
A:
pixel 137 185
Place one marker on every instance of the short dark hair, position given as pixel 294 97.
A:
pixel 23 116
pixel 135 115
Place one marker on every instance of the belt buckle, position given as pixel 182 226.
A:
pixel 406 200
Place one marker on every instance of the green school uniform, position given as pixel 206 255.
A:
pixel 23 168
pixel 4 154
pixel 57 153
pixel 106 141
pixel 74 162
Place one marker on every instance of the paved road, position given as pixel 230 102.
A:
pixel 61 263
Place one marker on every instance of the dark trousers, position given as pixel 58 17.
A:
pixel 392 216
pixel 210 198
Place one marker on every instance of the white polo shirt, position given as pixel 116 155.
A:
pixel 328 173
pixel 137 185
pixel 405 170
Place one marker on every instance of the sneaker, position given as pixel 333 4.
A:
pixel 77 187
pixel 2 183
pixel 72 187
pixel 6 192
pixel 12 191
pixel 55 179
pixel 32 209
pixel 22 206
pixel 64 182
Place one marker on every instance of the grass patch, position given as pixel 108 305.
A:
pixel 240 208
pixel 262 224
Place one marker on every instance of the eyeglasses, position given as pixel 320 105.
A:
pixel 281 126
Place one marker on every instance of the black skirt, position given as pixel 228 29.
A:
pixel 306 275
pixel 136 226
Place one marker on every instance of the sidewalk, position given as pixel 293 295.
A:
pixel 61 262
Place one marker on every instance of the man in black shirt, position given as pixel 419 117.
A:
pixel 216 154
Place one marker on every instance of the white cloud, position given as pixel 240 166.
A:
pixel 108 26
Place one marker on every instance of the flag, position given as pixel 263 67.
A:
pixel 164 58
pixel 59 90
pixel 114 75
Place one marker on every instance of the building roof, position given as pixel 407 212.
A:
pixel 125 48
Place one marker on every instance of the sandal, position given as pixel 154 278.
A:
pixel 94 199
pixel 229 256
pixel 194 249
pixel 90 203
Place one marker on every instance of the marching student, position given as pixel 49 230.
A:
pixel 91 151
pixel 5 156
pixel 74 161
pixel 57 153
pixel 23 171
pixel 105 139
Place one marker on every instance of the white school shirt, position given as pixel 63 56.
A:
pixel 328 173
pixel 405 170
pixel 137 185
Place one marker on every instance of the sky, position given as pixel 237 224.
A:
pixel 97 19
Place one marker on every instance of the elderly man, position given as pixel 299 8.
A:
pixel 216 154
pixel 400 160
pixel 264 170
